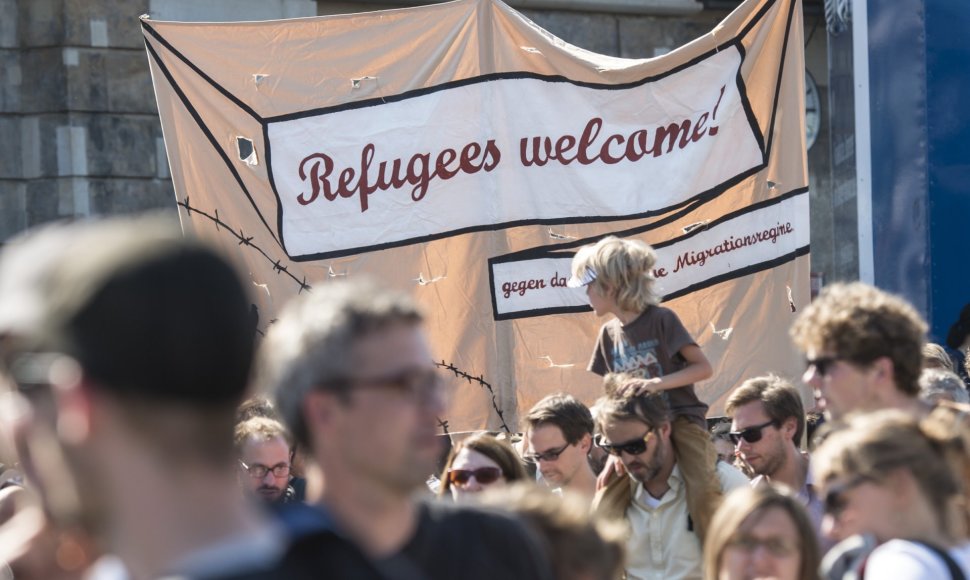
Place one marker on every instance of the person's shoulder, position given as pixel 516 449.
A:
pixel 449 517
pixel 731 477
pixel 315 543
pixel 300 519
pixel 908 560
pixel 664 313
pixel 611 326
pixel 472 535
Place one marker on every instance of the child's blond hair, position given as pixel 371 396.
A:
pixel 623 267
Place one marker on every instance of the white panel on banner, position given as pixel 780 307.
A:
pixel 750 238
pixel 401 170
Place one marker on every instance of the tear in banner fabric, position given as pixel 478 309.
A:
pixel 461 153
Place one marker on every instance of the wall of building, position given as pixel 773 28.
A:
pixel 79 132
pixel 79 129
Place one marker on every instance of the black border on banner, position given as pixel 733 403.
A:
pixel 557 251
pixel 747 270
pixel 207 132
pixel 695 201
pixel 704 195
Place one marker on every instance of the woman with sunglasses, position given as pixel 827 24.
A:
pixel 478 463
pixel 891 479
pixel 761 532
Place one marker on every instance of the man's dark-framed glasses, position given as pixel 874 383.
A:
pixel 417 383
pixel 634 447
pixel 548 455
pixel 259 471
pixel 751 434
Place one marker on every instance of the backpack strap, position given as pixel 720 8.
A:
pixel 956 573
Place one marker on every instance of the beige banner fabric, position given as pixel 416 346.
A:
pixel 461 153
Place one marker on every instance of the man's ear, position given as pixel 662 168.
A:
pixel 320 409
pixel 665 429
pixel 790 426
pixel 74 401
pixel 883 367
pixel 586 443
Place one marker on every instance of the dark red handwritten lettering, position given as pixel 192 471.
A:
pixel 418 172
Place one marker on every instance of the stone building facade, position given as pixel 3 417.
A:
pixel 79 132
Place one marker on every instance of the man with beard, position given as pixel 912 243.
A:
pixel 264 451
pixel 635 426
pixel 559 434
pixel 767 425
pixel 355 382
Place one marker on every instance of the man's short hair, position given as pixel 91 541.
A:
pixel 564 411
pixel 779 398
pixel 935 384
pixel 624 402
pixel 859 323
pixel 312 345
pixel 260 429
pixel 256 406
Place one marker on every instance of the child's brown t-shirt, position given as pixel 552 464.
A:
pixel 649 347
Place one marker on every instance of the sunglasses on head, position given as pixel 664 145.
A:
pixel 634 447
pixel 752 434
pixel 483 475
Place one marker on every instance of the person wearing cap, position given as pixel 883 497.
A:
pixel 128 371
pixel 649 342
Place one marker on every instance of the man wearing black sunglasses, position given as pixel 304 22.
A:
pixel 767 427
pixel 354 379
pixel 863 350
pixel 635 427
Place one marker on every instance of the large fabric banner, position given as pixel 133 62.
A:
pixel 461 153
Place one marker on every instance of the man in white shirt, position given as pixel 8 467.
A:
pixel 652 498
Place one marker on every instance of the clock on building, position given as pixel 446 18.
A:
pixel 813 111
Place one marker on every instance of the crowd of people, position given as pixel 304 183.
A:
pixel 145 436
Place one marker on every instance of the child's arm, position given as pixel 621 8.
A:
pixel 698 368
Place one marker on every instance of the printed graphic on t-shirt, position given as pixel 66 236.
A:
pixel 640 361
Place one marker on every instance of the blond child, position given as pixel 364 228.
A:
pixel 649 342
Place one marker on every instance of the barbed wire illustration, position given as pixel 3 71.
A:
pixel 481 381
pixel 444 425
pixel 280 268
pixel 245 240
